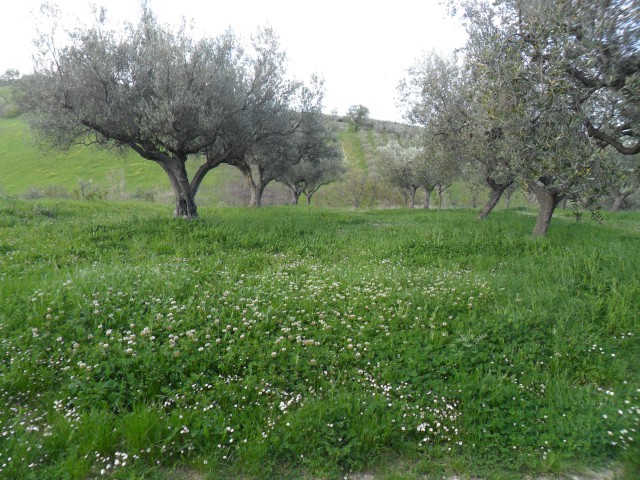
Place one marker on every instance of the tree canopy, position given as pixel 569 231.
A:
pixel 357 115
pixel 540 88
pixel 169 97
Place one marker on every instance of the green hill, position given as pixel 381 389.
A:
pixel 31 170
pixel 25 165
pixel 27 168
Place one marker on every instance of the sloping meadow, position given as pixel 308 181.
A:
pixel 266 342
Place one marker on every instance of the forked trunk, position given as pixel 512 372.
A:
pixel 309 193
pixel 177 173
pixel 441 189
pixel 507 198
pixel 548 200
pixel 257 189
pixel 295 195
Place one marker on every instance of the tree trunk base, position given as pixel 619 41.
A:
pixel 494 198
pixel 548 199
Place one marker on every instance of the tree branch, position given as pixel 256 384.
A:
pixel 611 140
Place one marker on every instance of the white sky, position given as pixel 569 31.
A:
pixel 362 48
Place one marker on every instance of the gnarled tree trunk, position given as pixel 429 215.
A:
pixel 618 201
pixel 428 189
pixel 257 189
pixel 497 189
pixel 295 194
pixel 548 200
pixel 177 173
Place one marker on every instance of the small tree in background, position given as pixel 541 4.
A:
pixel 301 136
pixel 431 94
pixel 319 160
pixel 623 177
pixel 8 102
pixel 399 167
pixel 357 115
pixel 309 176
pixel 11 75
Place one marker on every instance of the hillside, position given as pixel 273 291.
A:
pixel 28 169
pixel 24 165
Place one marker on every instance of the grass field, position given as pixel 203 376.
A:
pixel 26 167
pixel 308 343
pixel 64 169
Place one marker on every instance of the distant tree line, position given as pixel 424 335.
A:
pixel 169 98
pixel 8 105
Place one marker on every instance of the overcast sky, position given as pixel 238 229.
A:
pixel 361 48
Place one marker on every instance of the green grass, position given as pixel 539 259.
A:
pixel 306 343
pixel 352 149
pixel 25 166
pixel 45 168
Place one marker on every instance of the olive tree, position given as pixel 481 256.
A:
pixel 601 55
pixel 277 125
pixel 491 103
pixel 10 75
pixel 457 102
pixel 432 96
pixel 168 97
pixel 319 162
pixel 594 45
pixel 543 132
pixel 623 177
pixel 357 115
pixel 308 176
pixel 407 168
pixel 146 88
pixel 536 56
pixel 294 132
